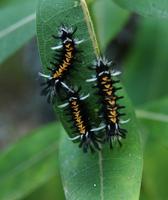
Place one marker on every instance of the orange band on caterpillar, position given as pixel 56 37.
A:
pixel 77 109
pixel 63 62
pixel 110 108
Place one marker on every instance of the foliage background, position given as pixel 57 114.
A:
pixel 135 36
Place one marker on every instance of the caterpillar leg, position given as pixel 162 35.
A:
pixel 45 76
pixel 57 47
pixel 63 105
pixel 99 128
pixel 115 73
pixel 91 80
pixel 78 41
pixel 121 121
pixel 84 97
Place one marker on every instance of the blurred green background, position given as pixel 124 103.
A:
pixel 139 46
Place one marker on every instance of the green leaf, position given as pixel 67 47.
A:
pixel 111 173
pixel 148 59
pixel 102 175
pixel 29 163
pixel 17 19
pixel 152 8
pixel 51 190
pixel 154 118
pixel 109 19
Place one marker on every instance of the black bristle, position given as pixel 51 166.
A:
pixel 79 118
pixel 107 93
pixel 60 68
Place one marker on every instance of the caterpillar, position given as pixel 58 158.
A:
pixel 77 109
pixel 108 97
pixel 62 63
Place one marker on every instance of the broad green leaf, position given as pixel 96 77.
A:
pixel 109 19
pixel 154 118
pixel 17 19
pixel 149 8
pixel 29 163
pixel 105 174
pixel 146 66
pixel 110 174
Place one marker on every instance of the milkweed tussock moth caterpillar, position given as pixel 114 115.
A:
pixel 62 63
pixel 110 109
pixel 77 109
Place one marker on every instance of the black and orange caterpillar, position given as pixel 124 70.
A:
pixel 62 63
pixel 110 107
pixel 77 109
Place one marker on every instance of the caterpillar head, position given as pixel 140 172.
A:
pixel 66 33
pixel 102 64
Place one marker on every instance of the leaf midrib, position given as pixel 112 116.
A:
pixel 153 116
pixel 101 176
pixel 17 25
